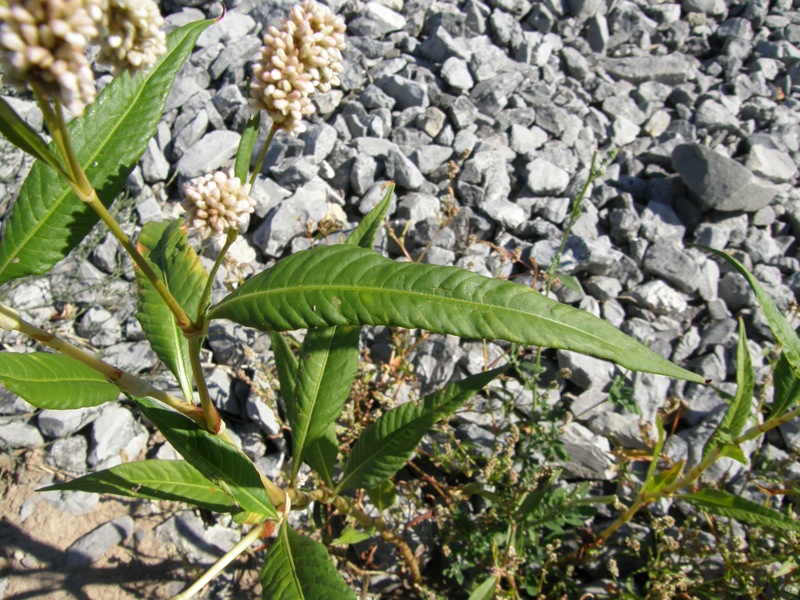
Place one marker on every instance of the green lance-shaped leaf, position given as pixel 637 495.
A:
pixel 325 372
pixel 386 444
pixel 217 460
pixel 167 247
pixel 346 285
pixel 784 333
pixel 321 454
pixel 735 419
pixel 484 591
pixel 22 135
pixel 367 231
pixel 48 219
pixel 247 143
pixel 298 568
pixel 787 388
pixel 54 381
pixel 174 480
pixel 725 504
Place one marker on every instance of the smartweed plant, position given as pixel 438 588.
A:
pixel 331 291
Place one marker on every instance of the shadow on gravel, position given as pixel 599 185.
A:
pixel 31 559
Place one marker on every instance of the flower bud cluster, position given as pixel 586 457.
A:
pixel 217 202
pixel 131 37
pixel 300 58
pixel 43 43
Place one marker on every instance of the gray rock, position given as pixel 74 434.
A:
pixel 376 20
pixel 400 168
pixel 719 182
pixel 319 140
pixel 62 423
pixel 407 92
pixel 736 292
pixel 214 150
pixel 771 163
pixel 11 404
pixel 116 433
pixel 192 539
pixel 623 131
pixel 624 429
pixel 100 327
pixel 670 261
pixel 132 357
pixel 290 218
pixel 589 454
pixel 69 454
pixel 155 166
pixel 231 342
pixel 546 179
pixel 455 73
pixel 660 298
pixel 16 433
pixel 661 222
pixel 431 157
pixel 586 371
pixel 97 542
pixel 672 69
pixel 233 54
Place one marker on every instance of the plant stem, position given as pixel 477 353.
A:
pixel 126 382
pixel 345 506
pixel 205 298
pixel 263 154
pixel 213 420
pixel 689 478
pixel 82 187
pixel 223 562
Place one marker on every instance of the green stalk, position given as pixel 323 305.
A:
pixel 263 154
pixel 84 190
pixel 213 421
pixel 205 298
pixel 126 382
pixel 215 569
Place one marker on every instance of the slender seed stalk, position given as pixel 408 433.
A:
pixel 126 382
pixel 205 298
pixel 263 154
pixel 242 546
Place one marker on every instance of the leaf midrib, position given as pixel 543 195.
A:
pixel 67 189
pixel 395 291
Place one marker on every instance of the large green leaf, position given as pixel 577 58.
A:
pixel 285 364
pixel 346 285
pixel 54 381
pixel 735 419
pixel 367 231
pixel 784 333
pixel 22 135
pixel 386 444
pixel 49 220
pixel 217 460
pixel 167 247
pixel 726 504
pixel 298 568
pixel 173 480
pixel 325 372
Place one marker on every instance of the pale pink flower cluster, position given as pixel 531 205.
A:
pixel 300 58
pixel 130 37
pixel 43 43
pixel 217 202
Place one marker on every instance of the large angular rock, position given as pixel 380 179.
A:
pixel 718 182
pixel 97 542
